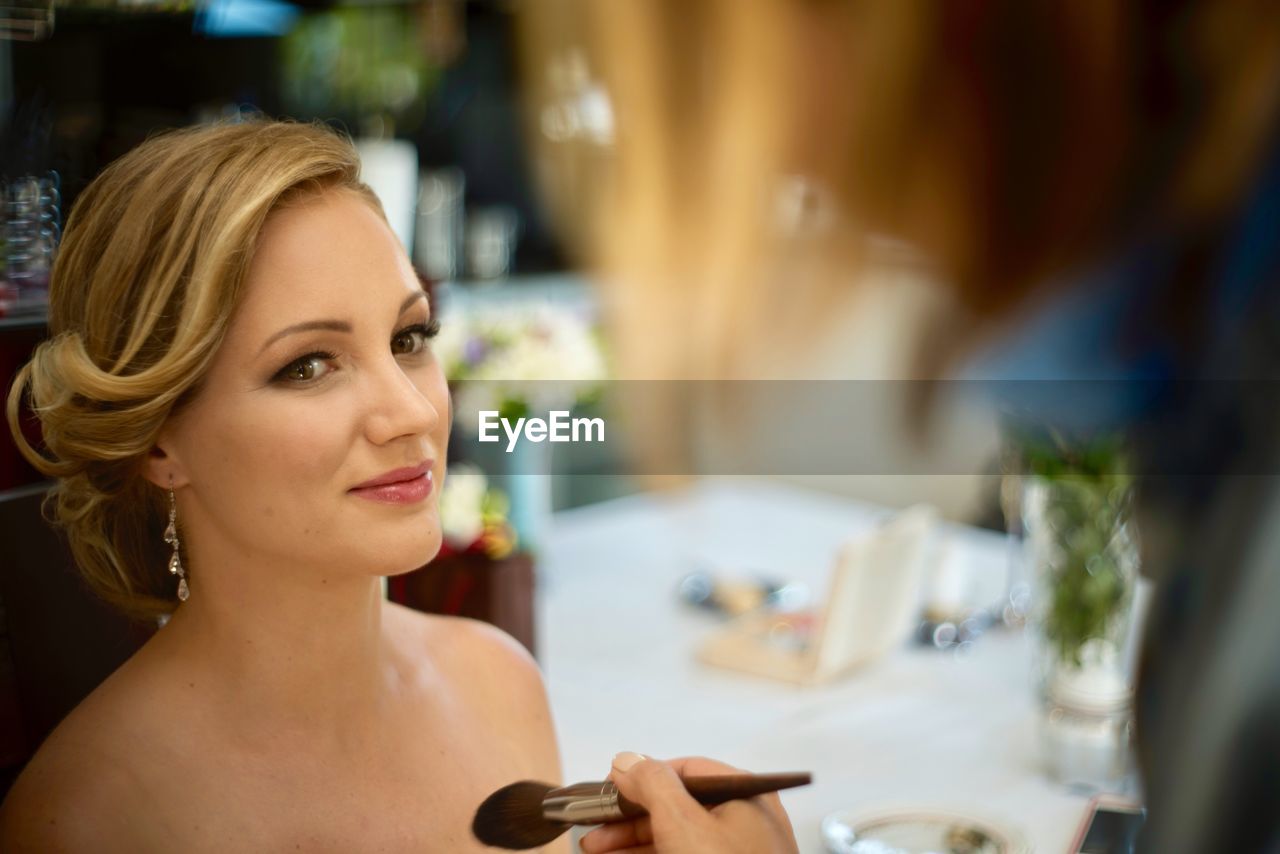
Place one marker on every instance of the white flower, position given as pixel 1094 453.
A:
pixel 461 504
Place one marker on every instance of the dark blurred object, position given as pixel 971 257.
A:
pixel 952 631
pixel 497 591
pixel 30 207
pixel 62 641
pixel 26 20
pixel 446 81
pixel 474 121
pixel 18 337
pixel 1109 828
pixel 733 597
pixel 108 78
pixel 32 229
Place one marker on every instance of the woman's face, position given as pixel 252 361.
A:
pixel 318 438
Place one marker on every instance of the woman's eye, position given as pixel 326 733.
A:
pixel 307 369
pixel 410 340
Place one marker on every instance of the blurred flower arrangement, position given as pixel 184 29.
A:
pixel 519 360
pixel 474 515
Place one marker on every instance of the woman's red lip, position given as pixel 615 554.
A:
pixel 397 476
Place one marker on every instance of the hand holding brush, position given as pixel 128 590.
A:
pixel 648 803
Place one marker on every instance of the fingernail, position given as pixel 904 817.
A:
pixel 626 759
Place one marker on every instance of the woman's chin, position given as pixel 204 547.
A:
pixel 416 557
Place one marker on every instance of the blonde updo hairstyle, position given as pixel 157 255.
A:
pixel 148 276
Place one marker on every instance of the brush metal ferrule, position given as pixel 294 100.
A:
pixel 583 803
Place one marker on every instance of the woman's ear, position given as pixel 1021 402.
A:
pixel 163 467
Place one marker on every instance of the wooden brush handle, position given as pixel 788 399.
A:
pixel 718 789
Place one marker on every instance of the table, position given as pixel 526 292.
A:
pixel 920 726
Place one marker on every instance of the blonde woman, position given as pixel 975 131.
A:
pixel 239 379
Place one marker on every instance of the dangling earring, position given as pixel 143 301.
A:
pixel 171 537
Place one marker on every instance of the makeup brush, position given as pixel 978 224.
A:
pixel 528 814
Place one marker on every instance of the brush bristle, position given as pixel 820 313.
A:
pixel 512 817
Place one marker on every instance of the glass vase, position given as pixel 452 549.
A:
pixel 1083 551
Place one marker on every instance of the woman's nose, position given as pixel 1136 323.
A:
pixel 398 406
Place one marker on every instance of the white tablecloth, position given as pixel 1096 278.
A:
pixel 920 727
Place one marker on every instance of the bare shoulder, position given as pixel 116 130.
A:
pixel 496 678
pixel 478 650
pixel 480 644
pixel 88 787
pixel 74 795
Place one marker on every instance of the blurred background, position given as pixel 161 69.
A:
pixel 791 519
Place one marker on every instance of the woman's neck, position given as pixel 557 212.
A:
pixel 293 652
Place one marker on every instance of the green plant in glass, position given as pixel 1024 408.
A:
pixel 1084 506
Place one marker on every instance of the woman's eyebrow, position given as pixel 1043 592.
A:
pixel 307 326
pixel 333 325
pixel 410 300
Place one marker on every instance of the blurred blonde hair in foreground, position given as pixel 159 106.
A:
pixel 1009 142
pixel 144 286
